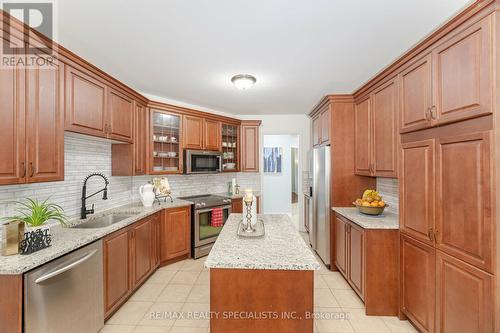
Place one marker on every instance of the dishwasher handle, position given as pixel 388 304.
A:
pixel 59 271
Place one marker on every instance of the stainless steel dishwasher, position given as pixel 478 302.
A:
pixel 66 295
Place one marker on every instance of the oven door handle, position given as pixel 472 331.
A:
pixel 206 210
pixel 220 162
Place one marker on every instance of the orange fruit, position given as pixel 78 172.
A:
pixel 366 204
pixel 373 204
pixel 381 203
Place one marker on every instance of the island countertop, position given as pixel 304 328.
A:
pixel 281 248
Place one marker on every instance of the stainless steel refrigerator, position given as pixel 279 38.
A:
pixel 319 233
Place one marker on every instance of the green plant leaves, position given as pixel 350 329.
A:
pixel 34 213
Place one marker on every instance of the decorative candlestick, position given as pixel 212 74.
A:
pixel 248 205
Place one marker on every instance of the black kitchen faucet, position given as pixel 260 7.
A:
pixel 84 210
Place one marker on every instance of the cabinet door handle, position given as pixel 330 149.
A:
pixel 32 168
pixel 433 112
pixel 23 167
pixel 430 234
pixel 428 113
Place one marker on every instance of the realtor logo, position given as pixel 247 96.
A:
pixel 17 51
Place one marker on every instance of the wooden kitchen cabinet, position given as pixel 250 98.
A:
pixel 155 236
pixel 32 126
pixel 212 135
pixel 193 132
pixel 355 258
pixel 129 258
pixel 452 82
pixel 416 188
pixel 201 133
pixel 117 263
pixel 464 225
pixel 464 302
pixel 143 256
pixel 130 159
pixel 175 233
pixel 341 232
pixel 321 127
pixel 45 124
pixel 362 137
pixel 120 115
pixel 86 102
pixel 418 279
pixel 385 130
pixel 250 145
pixel 368 260
pixel 376 132
pixel 416 95
pixel 316 131
pixel 164 142
pixel 463 86
pixel 94 108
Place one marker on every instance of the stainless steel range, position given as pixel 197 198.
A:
pixel 205 225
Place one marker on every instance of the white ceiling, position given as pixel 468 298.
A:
pixel 299 50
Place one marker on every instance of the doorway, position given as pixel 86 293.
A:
pixel 280 178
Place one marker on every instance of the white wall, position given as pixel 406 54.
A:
pixel 298 124
pixel 279 184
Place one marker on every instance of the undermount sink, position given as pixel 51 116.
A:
pixel 103 221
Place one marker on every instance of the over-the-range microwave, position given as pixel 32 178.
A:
pixel 202 161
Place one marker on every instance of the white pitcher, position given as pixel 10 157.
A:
pixel 147 195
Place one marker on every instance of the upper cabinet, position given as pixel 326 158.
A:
pixel 201 133
pixel 85 103
pixel 385 130
pixel 362 137
pixel 321 127
pixel 131 159
pixel 165 154
pixel 376 134
pixel 93 108
pixel 250 145
pixel 451 82
pixel 32 128
pixel 230 148
pixel 120 116
pixel 212 135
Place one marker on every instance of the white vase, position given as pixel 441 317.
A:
pixel 147 195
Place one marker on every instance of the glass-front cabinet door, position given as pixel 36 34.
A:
pixel 230 141
pixel 165 152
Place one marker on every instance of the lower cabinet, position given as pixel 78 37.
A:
pixel 440 293
pixel 175 233
pixel 129 259
pixel 368 260
pixel 418 278
pixel 237 205
pixel 117 258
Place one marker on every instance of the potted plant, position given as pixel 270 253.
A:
pixel 35 214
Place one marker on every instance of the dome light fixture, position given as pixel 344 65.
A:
pixel 243 81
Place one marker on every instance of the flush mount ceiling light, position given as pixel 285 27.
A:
pixel 243 81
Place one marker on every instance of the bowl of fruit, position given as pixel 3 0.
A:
pixel 371 203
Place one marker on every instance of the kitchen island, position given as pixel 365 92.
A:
pixel 261 284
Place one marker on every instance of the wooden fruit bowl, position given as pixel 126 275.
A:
pixel 369 210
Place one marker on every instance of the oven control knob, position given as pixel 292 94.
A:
pixel 198 205
pixel 203 204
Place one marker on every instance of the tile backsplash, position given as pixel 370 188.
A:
pixel 84 155
pixel 389 189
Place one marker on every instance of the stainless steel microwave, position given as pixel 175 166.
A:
pixel 202 161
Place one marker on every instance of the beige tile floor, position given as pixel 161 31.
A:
pixel 184 288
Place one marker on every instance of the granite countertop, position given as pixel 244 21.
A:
pixel 388 220
pixel 237 196
pixel 281 248
pixel 65 240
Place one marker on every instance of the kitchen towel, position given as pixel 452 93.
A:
pixel 216 217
